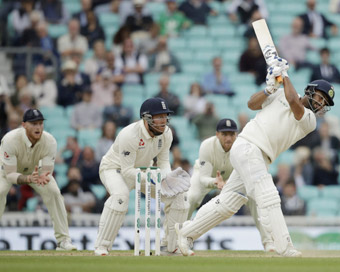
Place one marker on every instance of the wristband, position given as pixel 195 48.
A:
pixel 266 93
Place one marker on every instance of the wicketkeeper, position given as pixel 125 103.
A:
pixel 136 146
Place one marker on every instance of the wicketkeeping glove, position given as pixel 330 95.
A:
pixel 177 181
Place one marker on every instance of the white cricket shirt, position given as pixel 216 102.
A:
pixel 274 129
pixel 212 157
pixel 16 150
pixel 134 147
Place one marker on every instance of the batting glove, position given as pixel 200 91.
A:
pixel 271 82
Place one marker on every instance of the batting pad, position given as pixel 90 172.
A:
pixel 115 208
pixel 213 213
pixel 270 213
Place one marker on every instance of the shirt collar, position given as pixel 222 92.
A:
pixel 25 138
pixel 145 132
pixel 219 146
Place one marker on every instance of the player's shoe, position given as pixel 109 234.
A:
pixel 269 247
pixel 101 251
pixel 291 252
pixel 66 245
pixel 165 252
pixel 185 244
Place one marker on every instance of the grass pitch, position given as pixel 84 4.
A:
pixel 207 261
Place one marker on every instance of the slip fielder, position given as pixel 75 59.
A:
pixel 21 151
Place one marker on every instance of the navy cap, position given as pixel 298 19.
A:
pixel 32 115
pixel 226 125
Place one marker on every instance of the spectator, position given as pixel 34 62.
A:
pixel 20 83
pixel 44 90
pixel 302 167
pixel 329 144
pixel 117 112
pixel 294 46
pixel 86 115
pixel 72 42
pixel 76 200
pixel 139 21
pixel 89 169
pixel 54 11
pixel 108 136
pixel 252 61
pixel 119 37
pixel 46 43
pixel 249 32
pixel 93 30
pixel 148 44
pixel 70 154
pixel 26 101
pixel 172 21
pixel 206 122
pixel 12 201
pixel 195 97
pixel 21 17
pixel 103 89
pixel 81 16
pixel 70 86
pixel 242 119
pixel 121 8
pixel 97 61
pixel 132 63
pixel 29 35
pixel 334 6
pixel 324 171
pixel 215 82
pixel 282 176
pixel 162 60
pixel 325 69
pixel 315 24
pixel 291 204
pixel 171 99
pixel 242 10
pixel 117 74
pixel 197 11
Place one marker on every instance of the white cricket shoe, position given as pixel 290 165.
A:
pixel 165 252
pixel 66 245
pixel 291 252
pixel 185 244
pixel 101 251
pixel 269 247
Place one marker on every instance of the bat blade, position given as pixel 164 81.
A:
pixel 265 41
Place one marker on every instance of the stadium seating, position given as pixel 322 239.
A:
pixel 308 192
pixel 322 207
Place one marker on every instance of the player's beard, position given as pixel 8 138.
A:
pixel 155 130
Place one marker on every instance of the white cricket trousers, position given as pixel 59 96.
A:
pixel 52 199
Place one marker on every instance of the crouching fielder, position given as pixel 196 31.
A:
pixel 136 146
pixel 283 119
pixel 213 168
pixel 21 151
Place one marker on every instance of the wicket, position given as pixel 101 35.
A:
pixel 148 210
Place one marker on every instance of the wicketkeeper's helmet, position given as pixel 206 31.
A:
pixel 153 106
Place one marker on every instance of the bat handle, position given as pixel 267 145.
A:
pixel 279 79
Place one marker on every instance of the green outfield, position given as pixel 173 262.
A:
pixel 207 261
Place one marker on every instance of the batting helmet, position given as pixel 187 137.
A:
pixel 154 106
pixel 324 87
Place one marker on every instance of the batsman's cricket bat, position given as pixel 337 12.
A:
pixel 265 40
